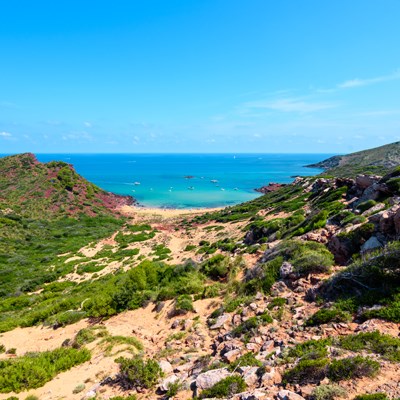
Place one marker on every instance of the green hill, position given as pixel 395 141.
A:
pixel 51 189
pixel 379 160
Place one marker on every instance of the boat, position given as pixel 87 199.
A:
pixel 191 188
pixel 222 189
pixel 235 189
pixel 214 181
pixel 136 183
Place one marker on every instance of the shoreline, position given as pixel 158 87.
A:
pixel 136 209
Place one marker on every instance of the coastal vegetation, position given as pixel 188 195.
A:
pixel 296 289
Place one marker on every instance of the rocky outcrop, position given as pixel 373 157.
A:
pixel 271 187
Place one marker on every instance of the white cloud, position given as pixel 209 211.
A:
pixel 369 81
pixel 87 124
pixel 5 134
pixel 293 104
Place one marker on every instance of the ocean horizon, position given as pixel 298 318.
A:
pixel 187 181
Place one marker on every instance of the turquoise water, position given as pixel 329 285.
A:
pixel 162 176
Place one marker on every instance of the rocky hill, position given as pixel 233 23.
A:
pixel 294 295
pixel 52 189
pixel 378 160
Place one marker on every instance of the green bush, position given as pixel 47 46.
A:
pixel 326 315
pixel 374 396
pixel 137 372
pixel 183 304
pixel 375 342
pixel 307 371
pixel 352 367
pixel 328 392
pixel 33 370
pixel 311 349
pixel 366 205
pixel 313 262
pixel 246 360
pixel 217 267
pixel 225 388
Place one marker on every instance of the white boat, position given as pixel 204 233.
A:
pixel 214 181
pixel 191 188
pixel 137 183
pixel 222 189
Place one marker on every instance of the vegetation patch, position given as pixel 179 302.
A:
pixel 225 388
pixel 33 370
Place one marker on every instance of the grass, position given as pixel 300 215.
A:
pixel 225 388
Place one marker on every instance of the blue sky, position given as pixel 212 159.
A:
pixel 199 76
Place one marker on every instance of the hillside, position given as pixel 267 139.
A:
pixel 51 189
pixel 294 295
pixel 378 160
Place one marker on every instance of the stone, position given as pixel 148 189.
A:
pixel 219 323
pixel 254 395
pixel 268 346
pixel 271 377
pixel 249 374
pixel 210 378
pixel 164 386
pixel 253 306
pixel 166 367
pixel 232 355
pixel 176 324
pixel 371 244
pixel 286 270
pixel 365 181
pixel 288 395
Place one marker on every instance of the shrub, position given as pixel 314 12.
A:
pixel 225 388
pixel 374 396
pixel 137 372
pixel 33 370
pixel 311 349
pixel 313 262
pixel 79 388
pixel 326 315
pixel 307 371
pixel 183 304
pixel 352 367
pixel 328 392
pixel 386 345
pixel 366 205
pixel 217 267
pixel 246 360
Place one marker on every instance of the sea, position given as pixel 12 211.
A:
pixel 188 180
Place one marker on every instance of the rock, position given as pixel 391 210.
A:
pixel 176 324
pixel 187 324
pixel 396 221
pixel 254 395
pixel 249 374
pixel 219 323
pixel 166 367
pixel 288 395
pixel 371 244
pixel 365 181
pixel 253 306
pixel 232 355
pixel 164 386
pixel 286 270
pixel 254 347
pixel 374 209
pixel 271 377
pixel 386 223
pixel 236 320
pixel 268 346
pixel 210 378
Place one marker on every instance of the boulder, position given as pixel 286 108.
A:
pixel 210 378
pixel 164 386
pixel 271 377
pixel 219 323
pixel 288 395
pixel 249 374
pixel 371 244
pixel 365 181
pixel 166 367
pixel 232 355
pixel 253 395
pixel 286 270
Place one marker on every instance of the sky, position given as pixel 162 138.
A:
pixel 264 76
